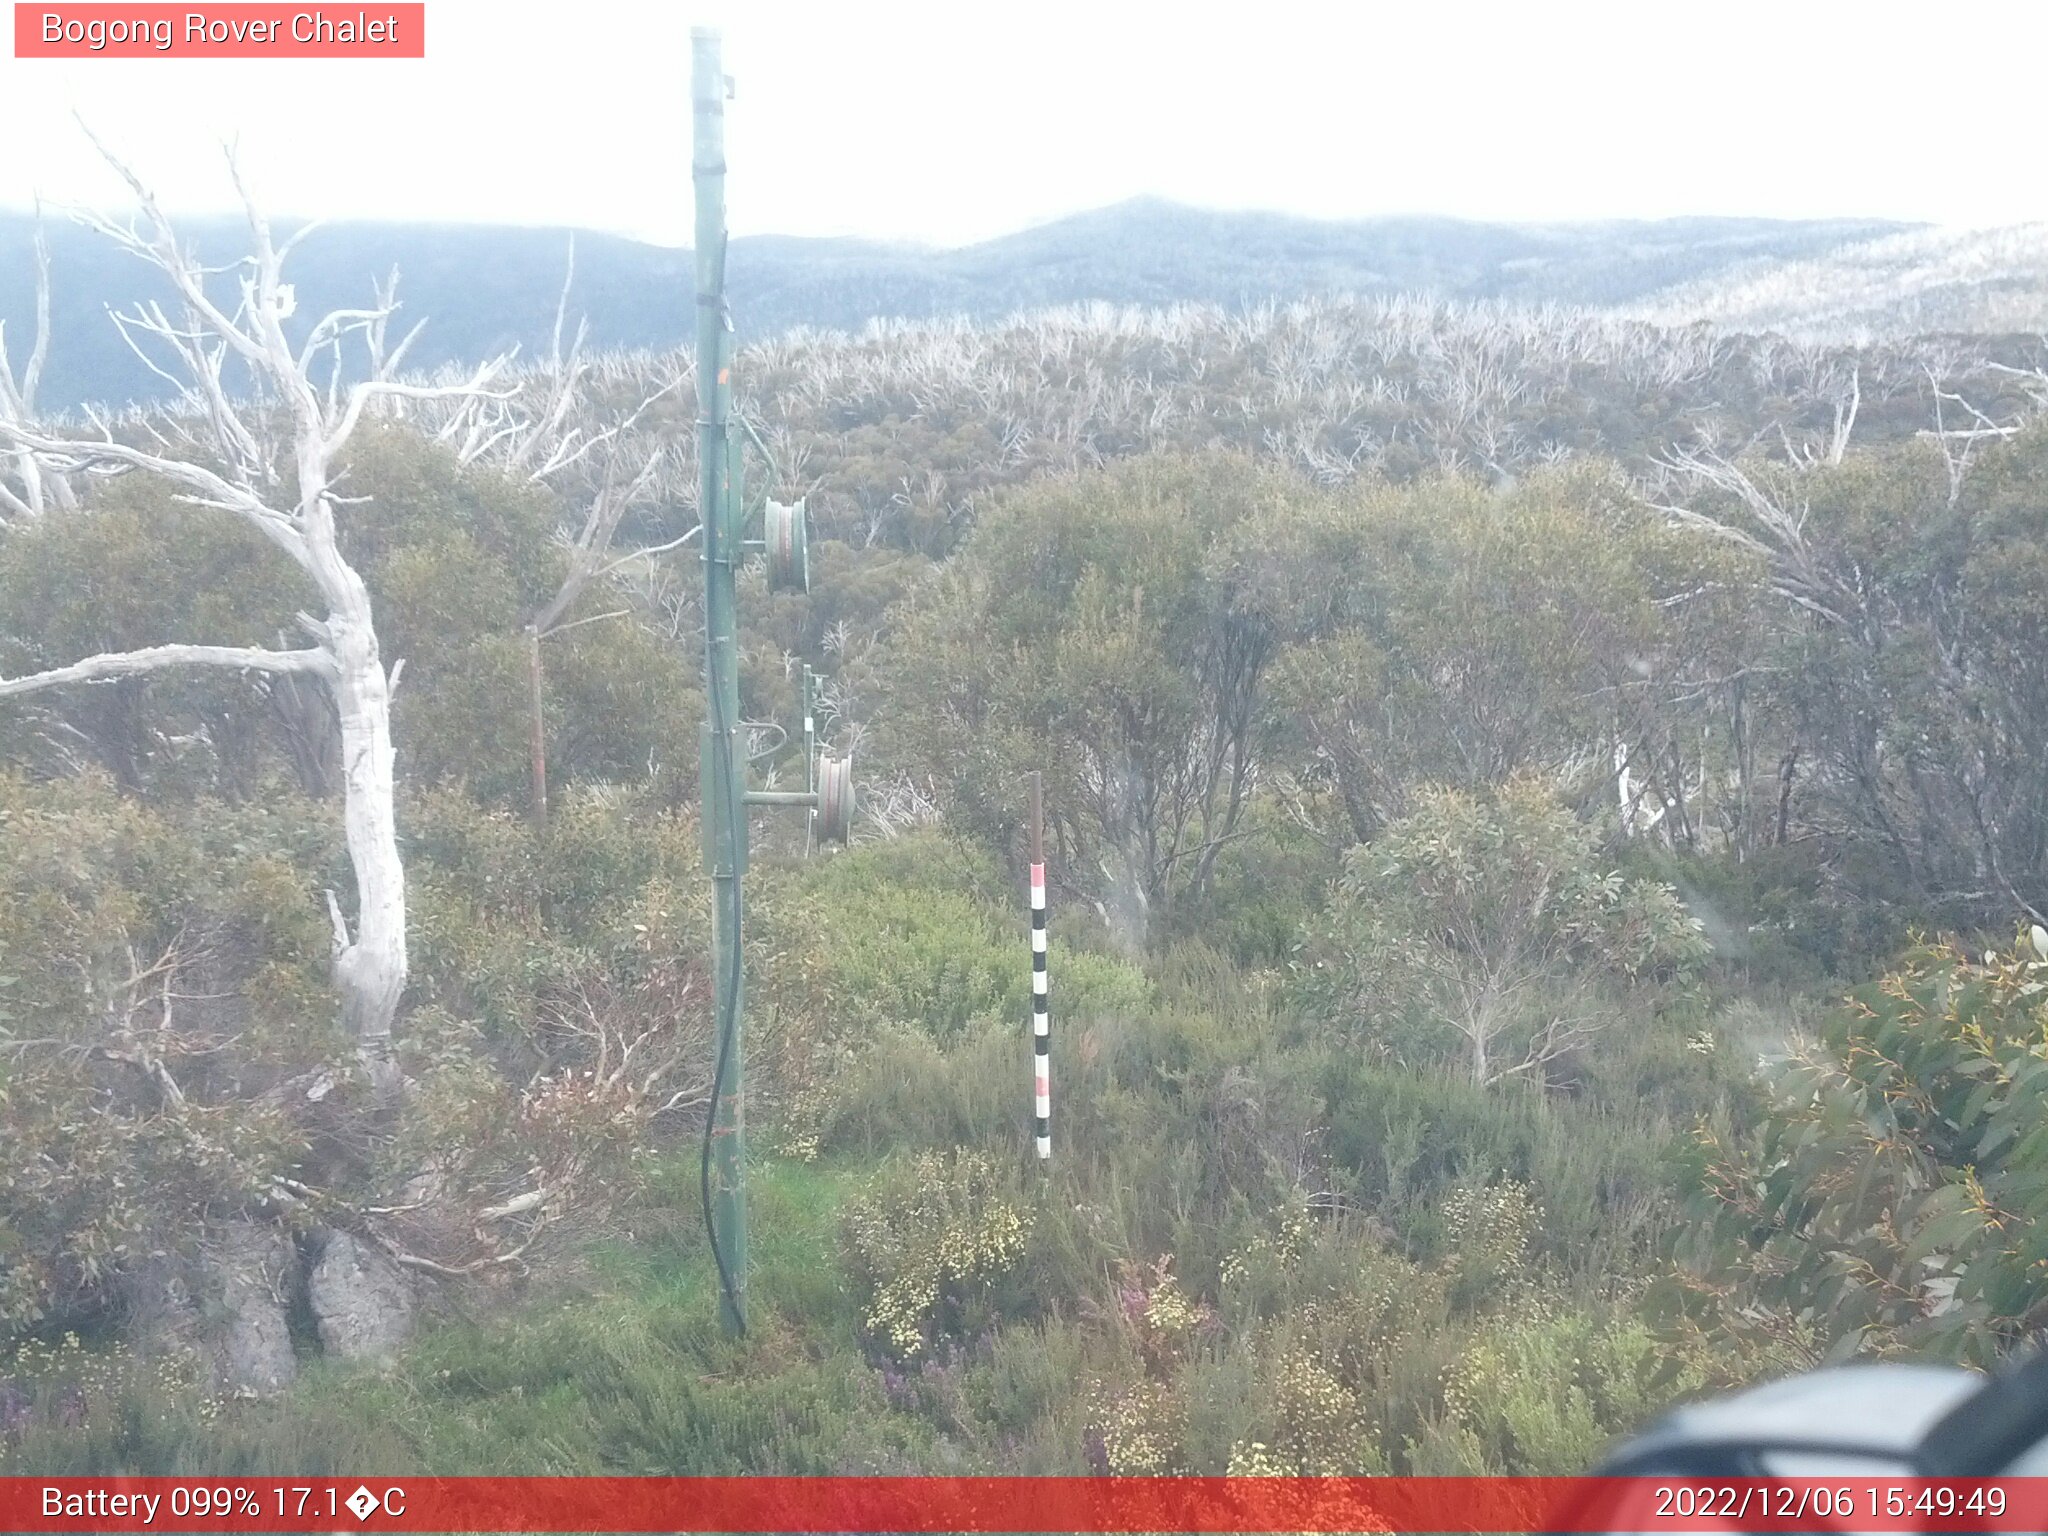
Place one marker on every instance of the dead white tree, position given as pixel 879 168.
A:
pixel 34 488
pixel 899 803
pixel 1958 444
pixel 1768 521
pixel 1846 407
pixel 1846 399
pixel 551 429
pixel 272 460
pixel 619 486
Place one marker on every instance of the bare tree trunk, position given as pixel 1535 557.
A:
pixel 370 971
pixel 1788 766
pixel 18 403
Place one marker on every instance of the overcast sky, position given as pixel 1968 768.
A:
pixel 951 122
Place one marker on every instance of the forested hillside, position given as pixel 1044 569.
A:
pixel 1934 280
pixel 1547 819
pixel 491 287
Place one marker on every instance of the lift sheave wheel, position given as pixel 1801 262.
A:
pixel 788 537
pixel 835 798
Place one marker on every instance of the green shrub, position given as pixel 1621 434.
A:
pixel 1893 1200
pixel 918 931
pixel 1542 1390
pixel 1487 920
pixel 159 968
pixel 1408 1141
pixel 932 1243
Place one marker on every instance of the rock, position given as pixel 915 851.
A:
pixel 163 1306
pixel 248 1278
pixel 362 1302
pixel 225 1305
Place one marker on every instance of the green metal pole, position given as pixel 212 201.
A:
pixel 722 781
pixel 802 799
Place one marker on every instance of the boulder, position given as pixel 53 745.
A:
pixel 225 1304
pixel 362 1302
pixel 249 1275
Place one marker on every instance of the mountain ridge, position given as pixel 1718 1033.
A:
pixel 1922 280
pixel 488 287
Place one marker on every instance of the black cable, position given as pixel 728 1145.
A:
pixel 725 1280
pixel 729 1004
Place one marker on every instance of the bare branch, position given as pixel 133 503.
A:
pixel 162 250
pixel 337 922
pixel 14 506
pixel 1845 418
pixel 18 400
pixel 157 658
pixel 595 618
pixel 646 554
pixel 562 304
pixel 212 490
pixel 532 1200
pixel 39 352
pixel 371 389
pixel 1798 573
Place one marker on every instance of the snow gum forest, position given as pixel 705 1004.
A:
pixel 1547 826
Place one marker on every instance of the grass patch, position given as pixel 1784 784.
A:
pixel 629 1373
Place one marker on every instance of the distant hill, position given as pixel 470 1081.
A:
pixel 1154 252
pixel 487 287
pixel 1923 280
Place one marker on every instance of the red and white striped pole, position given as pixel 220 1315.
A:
pixel 1041 1014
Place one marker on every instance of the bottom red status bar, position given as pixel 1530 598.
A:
pixel 1020 1504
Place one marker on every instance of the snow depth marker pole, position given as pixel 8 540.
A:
pixel 1041 1015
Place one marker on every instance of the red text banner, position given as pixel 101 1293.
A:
pixel 1005 1504
pixel 236 31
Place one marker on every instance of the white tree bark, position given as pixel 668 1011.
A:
pixel 290 435
pixel 33 489
pixel 155 658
